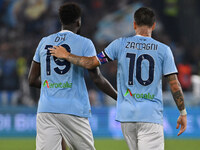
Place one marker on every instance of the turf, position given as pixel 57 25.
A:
pixel 101 144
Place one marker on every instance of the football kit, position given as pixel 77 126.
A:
pixel 63 97
pixel 142 61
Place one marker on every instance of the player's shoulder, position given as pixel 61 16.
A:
pixel 118 40
pixel 82 38
pixel 45 38
pixel 42 40
pixel 128 38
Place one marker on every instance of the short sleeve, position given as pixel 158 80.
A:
pixel 112 49
pixel 89 49
pixel 36 57
pixel 169 66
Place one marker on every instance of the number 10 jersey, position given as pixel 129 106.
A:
pixel 142 61
pixel 63 88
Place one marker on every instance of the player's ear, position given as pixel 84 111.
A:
pixel 134 25
pixel 154 25
pixel 78 22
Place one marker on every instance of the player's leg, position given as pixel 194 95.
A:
pixel 150 136
pixel 76 131
pixel 48 135
pixel 129 131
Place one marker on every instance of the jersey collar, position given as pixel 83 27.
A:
pixel 62 31
pixel 142 36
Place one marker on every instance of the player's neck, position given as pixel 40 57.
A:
pixel 144 31
pixel 72 29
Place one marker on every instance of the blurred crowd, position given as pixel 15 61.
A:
pixel 24 22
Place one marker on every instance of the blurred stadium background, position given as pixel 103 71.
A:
pixel 24 22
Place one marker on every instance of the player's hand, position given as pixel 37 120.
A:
pixel 182 120
pixel 59 52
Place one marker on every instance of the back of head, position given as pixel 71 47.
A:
pixel 144 17
pixel 69 13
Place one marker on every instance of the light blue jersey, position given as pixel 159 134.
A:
pixel 63 88
pixel 142 61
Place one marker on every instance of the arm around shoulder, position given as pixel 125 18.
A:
pixel 86 62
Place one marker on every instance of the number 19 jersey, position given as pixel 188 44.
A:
pixel 142 61
pixel 63 88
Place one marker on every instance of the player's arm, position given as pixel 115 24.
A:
pixel 86 62
pixel 102 83
pixel 177 93
pixel 34 75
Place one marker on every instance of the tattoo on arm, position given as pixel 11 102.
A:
pixel 176 91
pixel 178 98
pixel 171 77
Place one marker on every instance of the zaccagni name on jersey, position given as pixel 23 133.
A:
pixel 142 46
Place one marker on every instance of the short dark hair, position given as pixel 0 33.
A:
pixel 144 16
pixel 69 13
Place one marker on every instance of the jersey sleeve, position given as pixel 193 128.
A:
pixel 112 49
pixel 89 50
pixel 36 57
pixel 169 66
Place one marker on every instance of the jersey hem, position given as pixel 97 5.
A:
pixel 73 114
pixel 161 123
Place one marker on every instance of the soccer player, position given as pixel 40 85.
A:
pixel 142 61
pixel 64 107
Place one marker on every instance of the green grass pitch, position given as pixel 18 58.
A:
pixel 101 144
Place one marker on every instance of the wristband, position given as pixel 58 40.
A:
pixel 183 112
